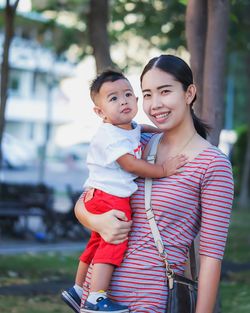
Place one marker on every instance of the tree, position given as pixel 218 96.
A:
pixel 9 16
pixel 98 19
pixel 92 15
pixel 206 29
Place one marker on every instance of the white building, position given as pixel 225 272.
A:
pixel 36 102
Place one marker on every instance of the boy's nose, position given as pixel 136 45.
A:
pixel 123 101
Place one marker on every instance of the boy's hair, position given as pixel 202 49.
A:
pixel 109 75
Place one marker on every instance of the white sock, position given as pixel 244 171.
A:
pixel 93 296
pixel 78 290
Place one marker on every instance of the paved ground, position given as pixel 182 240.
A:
pixel 10 246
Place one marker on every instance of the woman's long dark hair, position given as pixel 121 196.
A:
pixel 179 69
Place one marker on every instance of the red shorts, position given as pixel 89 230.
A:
pixel 97 250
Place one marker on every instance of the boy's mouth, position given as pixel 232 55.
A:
pixel 127 110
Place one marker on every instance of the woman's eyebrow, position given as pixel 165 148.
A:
pixel 160 87
pixel 164 86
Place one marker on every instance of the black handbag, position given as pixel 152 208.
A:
pixel 182 296
pixel 182 291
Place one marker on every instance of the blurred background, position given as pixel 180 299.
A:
pixel 50 51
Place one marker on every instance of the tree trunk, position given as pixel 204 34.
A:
pixel 213 82
pixel 196 30
pixel 98 35
pixel 9 16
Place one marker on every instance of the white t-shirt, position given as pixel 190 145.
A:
pixel 108 144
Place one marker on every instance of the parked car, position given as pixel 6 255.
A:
pixel 17 154
pixel 76 152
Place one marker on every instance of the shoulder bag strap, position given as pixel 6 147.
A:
pixel 152 145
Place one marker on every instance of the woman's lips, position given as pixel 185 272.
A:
pixel 162 117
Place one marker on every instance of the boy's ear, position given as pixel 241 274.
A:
pixel 99 112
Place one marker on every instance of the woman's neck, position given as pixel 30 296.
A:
pixel 176 141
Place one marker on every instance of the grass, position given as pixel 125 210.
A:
pixel 38 304
pixel 34 267
pixel 235 290
pixel 238 244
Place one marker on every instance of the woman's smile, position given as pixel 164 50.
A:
pixel 161 117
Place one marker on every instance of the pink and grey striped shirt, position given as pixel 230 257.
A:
pixel 197 199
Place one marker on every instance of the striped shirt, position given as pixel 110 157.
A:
pixel 197 199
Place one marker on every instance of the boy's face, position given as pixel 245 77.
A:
pixel 116 103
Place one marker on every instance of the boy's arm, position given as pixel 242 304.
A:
pixel 142 168
pixel 149 129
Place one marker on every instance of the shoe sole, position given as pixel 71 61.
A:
pixel 91 311
pixel 70 302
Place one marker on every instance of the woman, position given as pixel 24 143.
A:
pixel 199 198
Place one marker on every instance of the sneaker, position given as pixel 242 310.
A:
pixel 72 299
pixel 103 305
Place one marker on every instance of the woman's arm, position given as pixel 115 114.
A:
pixel 112 226
pixel 142 168
pixel 209 278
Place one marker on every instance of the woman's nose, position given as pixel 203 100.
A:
pixel 156 103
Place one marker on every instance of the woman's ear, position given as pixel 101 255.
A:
pixel 190 93
pixel 99 112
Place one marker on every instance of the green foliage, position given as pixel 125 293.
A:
pixel 238 155
pixel 235 296
pixel 157 23
pixel 160 22
pixel 239 28
pixel 238 242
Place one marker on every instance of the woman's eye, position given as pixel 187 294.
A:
pixel 146 95
pixel 165 91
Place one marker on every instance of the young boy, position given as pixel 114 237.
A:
pixel 114 161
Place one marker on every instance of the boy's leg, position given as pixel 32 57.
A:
pixel 81 273
pixel 73 295
pixel 97 300
pixel 101 276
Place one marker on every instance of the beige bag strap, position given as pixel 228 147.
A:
pixel 152 144
pixel 152 150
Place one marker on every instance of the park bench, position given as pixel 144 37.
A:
pixel 24 201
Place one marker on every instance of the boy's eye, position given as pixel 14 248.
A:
pixel 128 94
pixel 113 98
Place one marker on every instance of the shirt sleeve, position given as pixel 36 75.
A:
pixel 117 149
pixel 216 205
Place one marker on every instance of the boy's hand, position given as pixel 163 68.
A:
pixel 172 165
pixel 89 194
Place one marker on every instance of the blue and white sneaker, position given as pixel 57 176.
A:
pixel 72 299
pixel 104 305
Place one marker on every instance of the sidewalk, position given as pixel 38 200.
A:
pixel 11 246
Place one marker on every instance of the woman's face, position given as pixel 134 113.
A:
pixel 164 100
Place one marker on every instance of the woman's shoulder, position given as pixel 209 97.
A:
pixel 145 137
pixel 214 160
pixel 213 153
